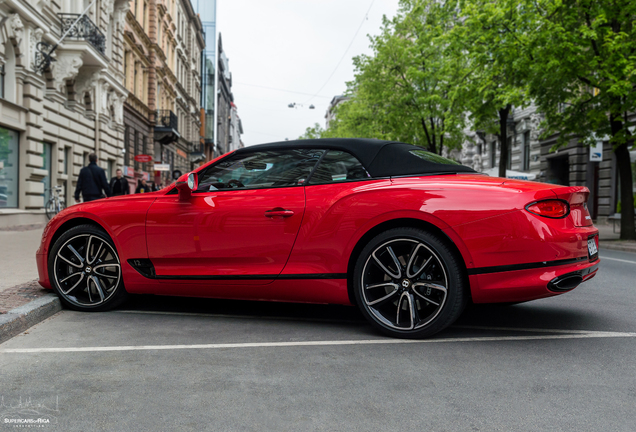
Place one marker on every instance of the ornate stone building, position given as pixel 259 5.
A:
pixel 481 151
pixel 50 121
pixel 163 45
pixel 228 124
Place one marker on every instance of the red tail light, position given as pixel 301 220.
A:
pixel 552 208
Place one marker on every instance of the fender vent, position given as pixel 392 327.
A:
pixel 143 266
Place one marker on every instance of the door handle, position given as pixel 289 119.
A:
pixel 279 212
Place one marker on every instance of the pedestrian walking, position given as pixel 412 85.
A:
pixel 92 183
pixel 119 185
pixel 143 187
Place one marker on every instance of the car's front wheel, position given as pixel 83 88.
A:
pixel 85 271
pixel 408 283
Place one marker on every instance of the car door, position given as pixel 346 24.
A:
pixel 240 223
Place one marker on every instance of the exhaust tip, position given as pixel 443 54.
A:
pixel 565 282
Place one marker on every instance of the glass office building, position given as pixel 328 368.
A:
pixel 207 11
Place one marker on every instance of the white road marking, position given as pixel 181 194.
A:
pixel 616 259
pixel 589 335
pixel 530 330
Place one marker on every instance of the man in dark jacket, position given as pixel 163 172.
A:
pixel 119 185
pixel 91 182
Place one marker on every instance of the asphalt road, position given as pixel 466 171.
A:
pixel 565 363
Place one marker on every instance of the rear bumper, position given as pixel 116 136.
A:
pixel 539 280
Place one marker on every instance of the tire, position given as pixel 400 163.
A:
pixel 85 270
pixel 408 283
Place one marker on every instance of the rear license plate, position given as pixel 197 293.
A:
pixel 591 247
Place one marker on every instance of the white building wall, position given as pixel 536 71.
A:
pixel 76 107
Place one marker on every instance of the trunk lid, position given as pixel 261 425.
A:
pixel 577 197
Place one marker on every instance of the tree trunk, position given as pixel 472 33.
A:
pixel 625 177
pixel 627 197
pixel 503 139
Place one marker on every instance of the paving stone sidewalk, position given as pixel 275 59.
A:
pixel 19 295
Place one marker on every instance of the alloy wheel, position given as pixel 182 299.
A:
pixel 404 284
pixel 87 270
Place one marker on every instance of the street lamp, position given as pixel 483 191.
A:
pixel 297 105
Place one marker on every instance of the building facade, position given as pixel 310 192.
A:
pixel 236 130
pixel 164 41
pixel 572 165
pixel 224 102
pixel 52 119
pixel 331 109
pixel 207 12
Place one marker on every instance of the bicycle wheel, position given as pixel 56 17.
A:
pixel 50 208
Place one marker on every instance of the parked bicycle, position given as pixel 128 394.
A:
pixel 55 204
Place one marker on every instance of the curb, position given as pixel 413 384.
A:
pixel 21 318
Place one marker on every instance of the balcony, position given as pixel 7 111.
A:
pixel 197 153
pixel 84 30
pixel 166 127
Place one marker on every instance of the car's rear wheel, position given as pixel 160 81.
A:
pixel 409 283
pixel 85 270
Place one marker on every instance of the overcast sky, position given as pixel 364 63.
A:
pixel 292 47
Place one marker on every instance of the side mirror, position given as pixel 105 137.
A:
pixel 186 184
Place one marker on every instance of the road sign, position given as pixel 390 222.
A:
pixel 596 152
pixel 143 158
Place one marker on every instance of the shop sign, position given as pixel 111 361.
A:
pixel 162 167
pixel 182 153
pixel 143 158
pixel 128 171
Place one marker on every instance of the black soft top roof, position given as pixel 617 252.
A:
pixel 380 158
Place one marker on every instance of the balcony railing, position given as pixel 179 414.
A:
pixel 85 29
pixel 167 119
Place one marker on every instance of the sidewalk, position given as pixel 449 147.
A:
pixel 608 239
pixel 18 271
pixel 17 255
pixel 23 302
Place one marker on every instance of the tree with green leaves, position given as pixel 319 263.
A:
pixel 410 88
pixel 313 132
pixel 489 35
pixel 581 57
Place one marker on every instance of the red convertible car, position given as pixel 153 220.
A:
pixel 406 235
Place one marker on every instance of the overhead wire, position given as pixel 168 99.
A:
pixel 366 17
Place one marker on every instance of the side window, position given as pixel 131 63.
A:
pixel 338 166
pixel 276 168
